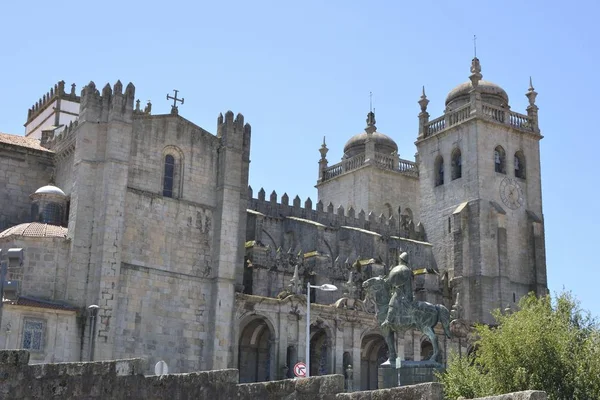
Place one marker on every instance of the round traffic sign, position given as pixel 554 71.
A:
pixel 300 370
pixel 161 368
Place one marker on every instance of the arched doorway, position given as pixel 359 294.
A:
pixel 255 352
pixel 426 349
pixel 374 352
pixel 320 350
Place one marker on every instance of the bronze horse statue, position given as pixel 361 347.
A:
pixel 424 317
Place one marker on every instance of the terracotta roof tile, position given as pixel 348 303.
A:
pixel 35 229
pixel 22 141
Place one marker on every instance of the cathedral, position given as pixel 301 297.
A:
pixel 142 238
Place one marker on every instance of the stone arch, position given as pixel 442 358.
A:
pixel 456 162
pixel 373 352
pixel 519 161
pixel 500 160
pixel 172 172
pixel 426 348
pixel 321 349
pixel 438 169
pixel 256 349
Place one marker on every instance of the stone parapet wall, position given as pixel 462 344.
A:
pixel 334 215
pixel 123 379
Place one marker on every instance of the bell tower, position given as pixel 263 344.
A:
pixel 481 195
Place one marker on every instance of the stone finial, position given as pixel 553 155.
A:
pixel 137 105
pixel 323 150
pixel 475 76
pixel 532 109
pixel 457 308
pixel 371 123
pixel 423 101
pixel 531 93
pixel 296 282
pixel 148 108
pixel 73 87
pixel 350 288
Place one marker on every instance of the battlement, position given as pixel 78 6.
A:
pixel 55 92
pixel 334 217
pixel 112 104
pixel 233 132
pixel 61 139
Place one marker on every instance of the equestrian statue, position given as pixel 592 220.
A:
pixel 397 311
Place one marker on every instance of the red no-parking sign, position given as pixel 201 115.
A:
pixel 300 370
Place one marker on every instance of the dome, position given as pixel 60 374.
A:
pixel 490 93
pixel 35 229
pixel 50 189
pixel 383 144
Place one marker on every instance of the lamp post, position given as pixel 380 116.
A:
pixel 93 314
pixel 327 288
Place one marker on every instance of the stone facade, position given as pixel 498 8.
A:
pixel 167 254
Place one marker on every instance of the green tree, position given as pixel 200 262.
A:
pixel 545 345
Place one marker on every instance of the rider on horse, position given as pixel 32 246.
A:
pixel 401 304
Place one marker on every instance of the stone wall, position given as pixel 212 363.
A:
pixel 22 172
pixel 44 273
pixel 123 379
pixel 60 335
pixel 194 151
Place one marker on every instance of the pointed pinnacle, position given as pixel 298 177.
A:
pixel 531 89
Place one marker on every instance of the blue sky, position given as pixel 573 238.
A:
pixel 299 71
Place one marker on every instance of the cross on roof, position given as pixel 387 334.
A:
pixel 174 109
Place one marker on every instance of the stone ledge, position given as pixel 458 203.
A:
pixel 424 391
pixel 526 395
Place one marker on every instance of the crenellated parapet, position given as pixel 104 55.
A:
pixel 61 140
pixel 334 217
pixel 234 133
pixel 55 92
pixel 113 104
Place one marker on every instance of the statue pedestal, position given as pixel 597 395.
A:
pixel 388 376
pixel 407 373
pixel 415 372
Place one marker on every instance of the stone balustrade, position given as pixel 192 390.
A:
pixel 487 111
pixel 385 161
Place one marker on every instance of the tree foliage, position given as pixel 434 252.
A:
pixel 545 345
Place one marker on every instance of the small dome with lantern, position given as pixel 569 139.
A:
pixel 491 93
pixel 49 205
pixel 383 143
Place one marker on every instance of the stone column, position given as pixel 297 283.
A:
pixel 356 349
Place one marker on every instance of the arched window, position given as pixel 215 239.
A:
pixel 169 176
pixel 456 164
pixel 172 174
pixel 500 160
pixel 439 171
pixel 519 165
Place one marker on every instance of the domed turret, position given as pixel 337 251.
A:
pixel 48 205
pixel 383 143
pixel 490 92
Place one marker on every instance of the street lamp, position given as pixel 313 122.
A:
pixel 327 288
